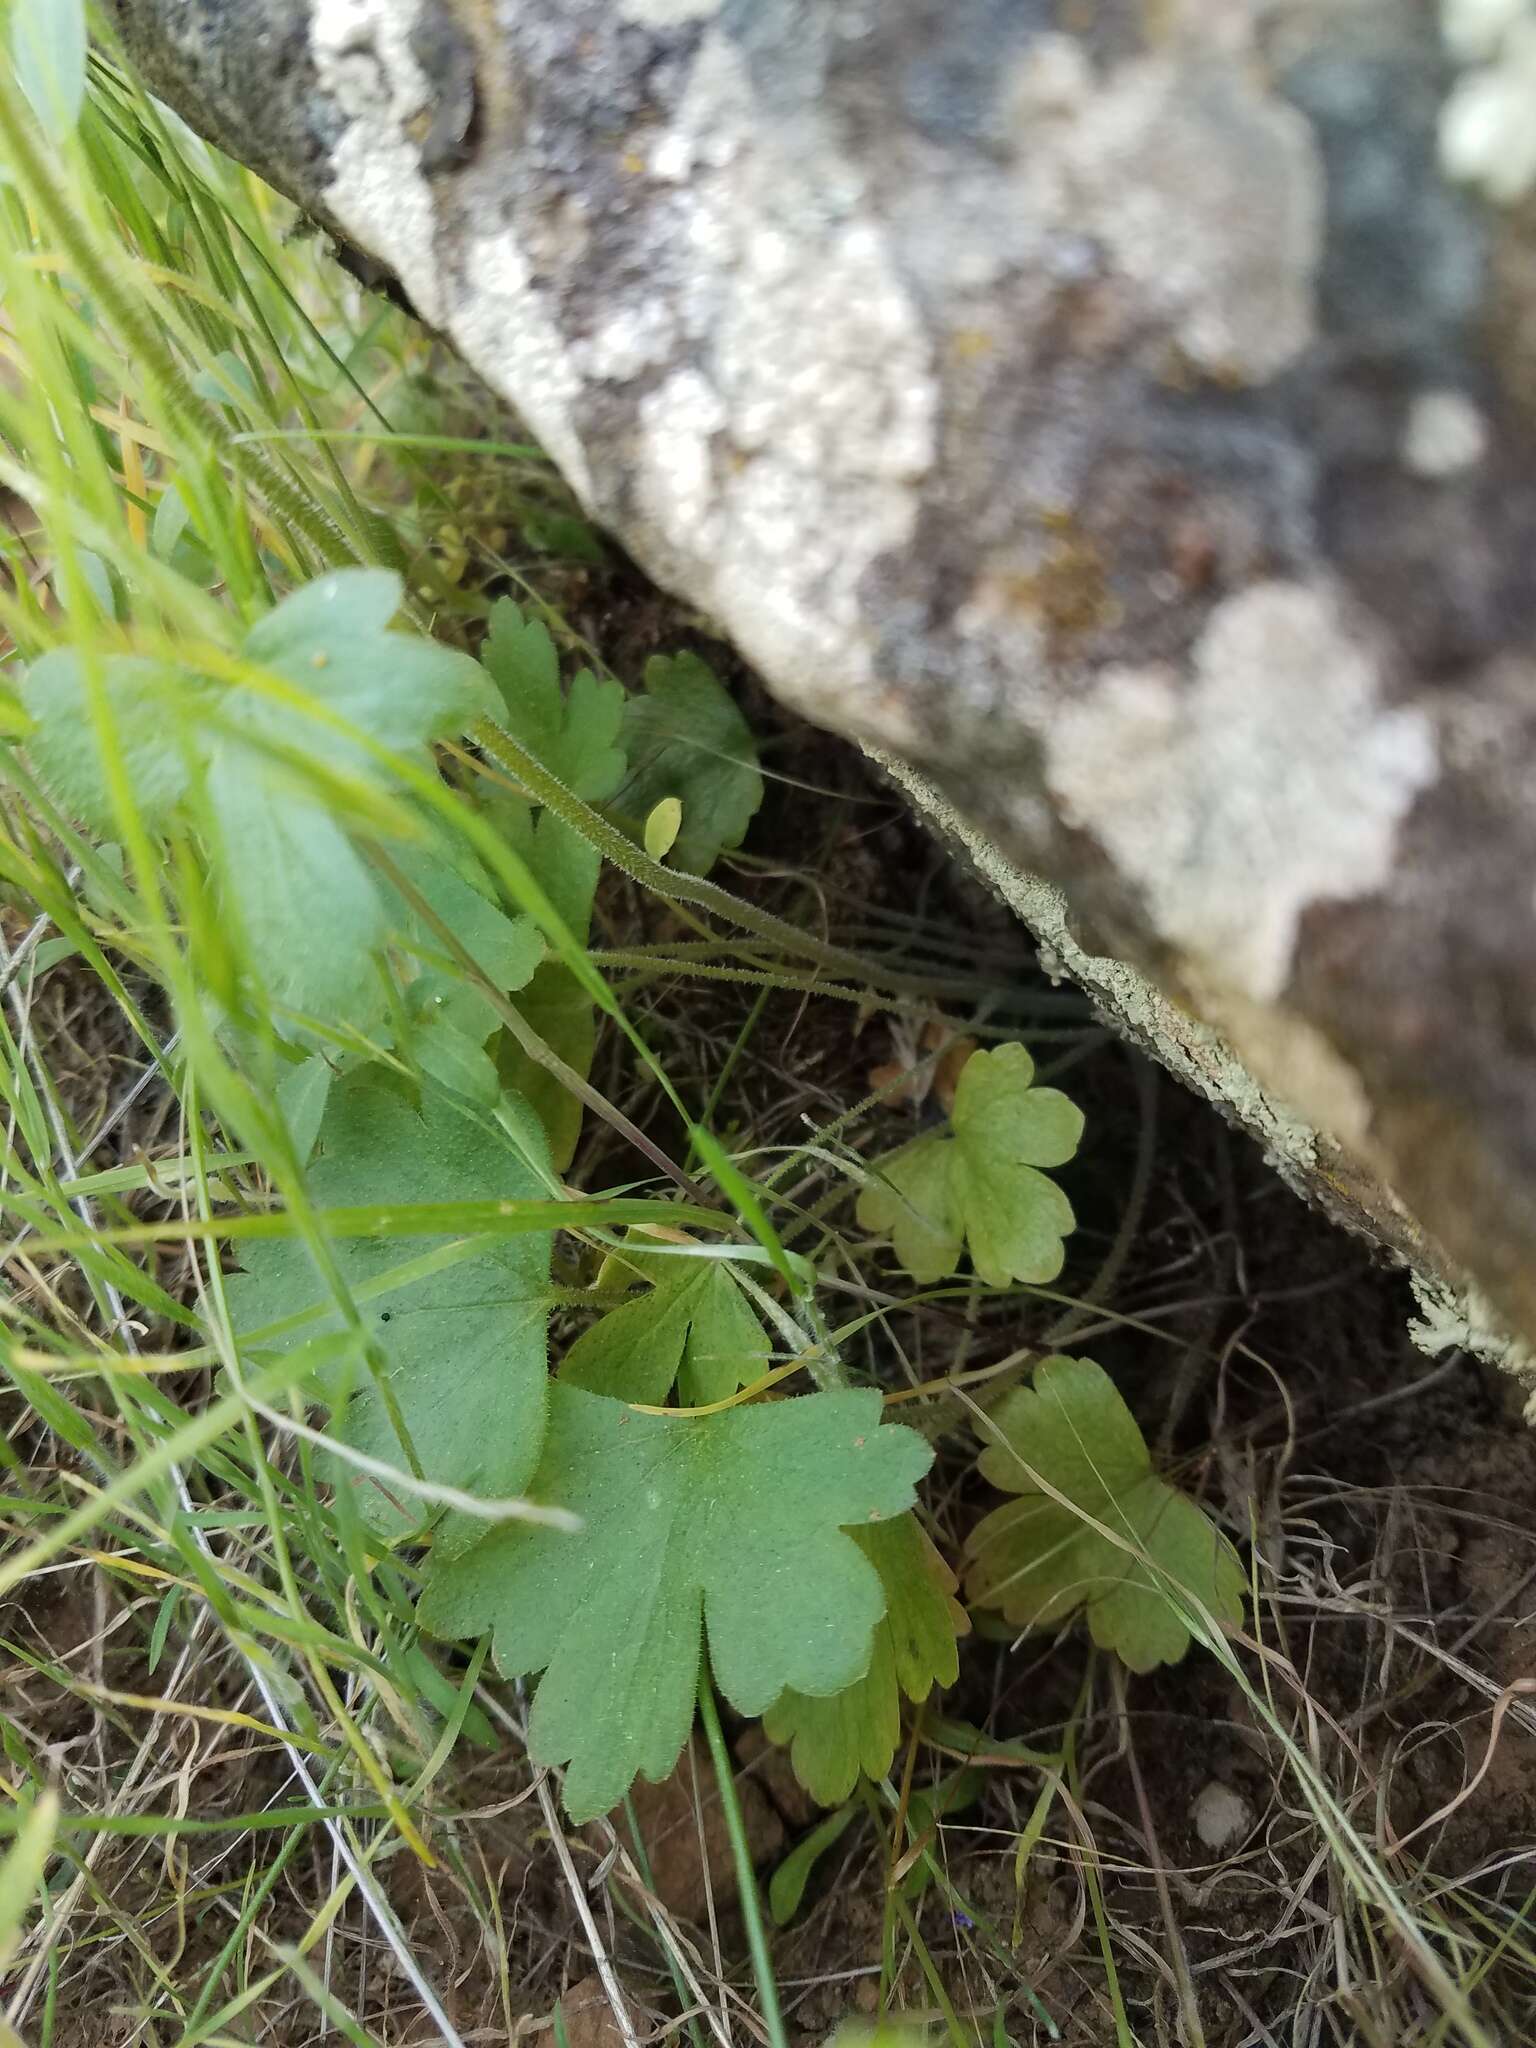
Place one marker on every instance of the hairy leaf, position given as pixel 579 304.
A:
pixel 291 882
pixel 142 698
pixel 300 896
pixel 686 740
pixel 728 1527
pixel 574 736
pixel 332 639
pixel 692 1325
pixel 1130 1550
pixel 463 1348
pixel 310 910
pixel 455 1060
pixel 507 950
pixel 834 1740
pixel 979 1184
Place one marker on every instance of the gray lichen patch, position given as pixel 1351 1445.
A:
pixel 366 65
pixel 667 13
pixel 1131 1000
pixel 1274 777
pixel 1488 127
pixel 783 457
pixel 1207 193
pixel 1450 1318
pixel 1446 434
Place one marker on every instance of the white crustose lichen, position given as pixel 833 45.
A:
pixel 1488 123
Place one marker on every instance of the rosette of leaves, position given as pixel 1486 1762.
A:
pixel 1092 1528
pixel 980 1184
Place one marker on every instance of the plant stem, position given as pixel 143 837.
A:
pixel 746 1877
pixel 675 885
pixel 935 1982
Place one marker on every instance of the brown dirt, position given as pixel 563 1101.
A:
pixel 687 1840
pixel 588 2015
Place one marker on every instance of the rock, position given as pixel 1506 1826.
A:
pixel 1221 1816
pixel 669 1827
pixel 588 2016
pixel 1122 418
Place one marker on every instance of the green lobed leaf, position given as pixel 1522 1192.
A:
pixel 332 638
pixel 299 894
pixel 507 950
pixel 727 1528
pixel 1041 1562
pixel 686 740
pixel 456 1061
pixel 909 1198
pixel 308 907
pixel 1005 1128
pixel 832 1741
pixel 980 1185
pixel 692 1325
pixel 554 1004
pixel 146 700
pixel 463 1349
pixel 576 735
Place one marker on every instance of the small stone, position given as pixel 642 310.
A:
pixel 1221 1816
pixel 1445 435
pixel 669 1828
pixel 588 2017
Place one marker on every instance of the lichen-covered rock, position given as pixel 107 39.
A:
pixel 1125 412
